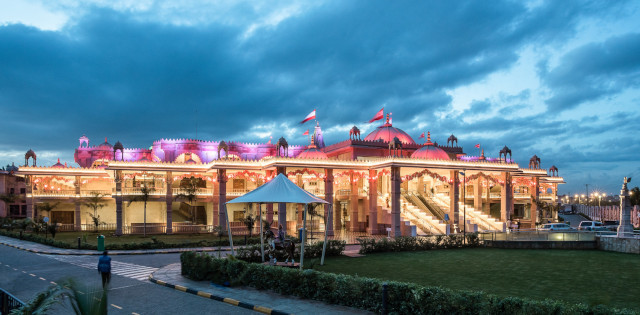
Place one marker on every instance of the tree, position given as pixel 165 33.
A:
pixel 95 202
pixel 143 197
pixel 249 220
pixel 188 192
pixel 634 197
pixel 23 225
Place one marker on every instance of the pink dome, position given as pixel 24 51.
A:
pixel 312 152
pixel 58 165
pixel 430 152
pixel 387 132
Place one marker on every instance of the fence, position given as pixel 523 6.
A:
pixel 8 302
pixel 608 213
pixel 567 236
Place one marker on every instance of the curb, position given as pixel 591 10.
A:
pixel 94 253
pixel 257 308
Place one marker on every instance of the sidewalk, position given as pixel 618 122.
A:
pixel 46 249
pixel 261 301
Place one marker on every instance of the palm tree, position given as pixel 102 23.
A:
pixel 144 197
pixel 249 221
pixel 188 193
pixel 95 202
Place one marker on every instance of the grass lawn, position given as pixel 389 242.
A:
pixel 577 276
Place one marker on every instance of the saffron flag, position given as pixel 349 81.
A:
pixel 306 133
pixel 478 145
pixel 378 116
pixel 421 136
pixel 312 115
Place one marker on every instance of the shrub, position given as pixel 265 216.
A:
pixel 313 250
pixel 365 293
pixel 406 243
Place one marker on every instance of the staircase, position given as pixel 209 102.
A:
pixel 484 222
pixel 422 218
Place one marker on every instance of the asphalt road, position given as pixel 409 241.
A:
pixel 25 274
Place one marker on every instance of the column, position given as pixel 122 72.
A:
pixel 222 199
pixel 77 214
pixel 328 197
pixel 215 200
pixel 270 205
pixel 420 188
pixel 477 194
pixel 29 188
pixel 354 203
pixel 282 207
pixel 454 200
pixel 487 207
pixel 395 201
pixel 118 203
pixel 535 197
pixel 169 201
pixel 373 202
pixel 506 197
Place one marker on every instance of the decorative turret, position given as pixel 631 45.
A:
pixel 223 146
pixel 282 144
pixel 452 139
pixel 354 133
pixel 317 136
pixel 482 157
pixel 430 151
pixel 534 162
pixel 118 147
pixel 553 170
pixel 395 147
pixel 84 141
pixel 504 152
pixel 27 156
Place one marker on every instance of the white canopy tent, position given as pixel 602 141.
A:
pixel 280 190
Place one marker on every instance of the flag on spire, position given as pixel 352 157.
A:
pixel 378 116
pixel 478 145
pixel 421 136
pixel 306 133
pixel 312 115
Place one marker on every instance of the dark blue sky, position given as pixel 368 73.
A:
pixel 559 79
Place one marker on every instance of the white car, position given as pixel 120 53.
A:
pixel 555 227
pixel 591 226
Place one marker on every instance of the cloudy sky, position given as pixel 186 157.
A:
pixel 560 79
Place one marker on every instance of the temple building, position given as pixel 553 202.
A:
pixel 383 183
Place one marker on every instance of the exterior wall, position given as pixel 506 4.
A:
pixel 622 245
pixel 9 182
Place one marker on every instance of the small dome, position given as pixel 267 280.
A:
pixel 430 152
pixel 105 144
pixel 58 165
pixel 117 146
pixel 387 132
pixel 312 152
pixel 30 154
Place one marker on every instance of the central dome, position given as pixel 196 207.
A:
pixel 387 132
pixel 312 152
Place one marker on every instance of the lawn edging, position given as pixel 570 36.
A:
pixel 366 293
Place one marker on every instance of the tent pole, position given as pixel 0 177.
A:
pixel 261 233
pixel 304 235
pixel 229 229
pixel 324 246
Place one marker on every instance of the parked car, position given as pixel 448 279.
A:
pixel 556 227
pixel 611 225
pixel 591 226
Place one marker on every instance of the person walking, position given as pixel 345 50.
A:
pixel 104 268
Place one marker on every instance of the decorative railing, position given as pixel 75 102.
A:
pixel 8 302
pixel 567 236
pixel 71 193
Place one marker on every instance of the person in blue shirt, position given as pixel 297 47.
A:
pixel 104 268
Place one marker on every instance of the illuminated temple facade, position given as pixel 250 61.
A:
pixel 383 183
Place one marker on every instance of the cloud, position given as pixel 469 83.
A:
pixel 593 71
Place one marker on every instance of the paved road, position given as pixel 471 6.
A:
pixel 25 274
pixel 572 219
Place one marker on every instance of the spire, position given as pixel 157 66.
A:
pixel 388 117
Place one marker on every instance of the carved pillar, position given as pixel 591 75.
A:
pixel 477 194
pixel 535 197
pixel 77 214
pixel 373 202
pixel 270 205
pixel 169 201
pixel 454 199
pixel 328 197
pixel 29 188
pixel 506 198
pixel 395 201
pixel 222 199
pixel 118 203
pixel 487 206
pixel 353 181
pixel 215 201
pixel 420 189
pixel 282 207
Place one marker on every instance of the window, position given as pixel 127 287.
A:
pixel 12 191
pixel 23 191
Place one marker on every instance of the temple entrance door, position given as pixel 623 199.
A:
pixel 62 217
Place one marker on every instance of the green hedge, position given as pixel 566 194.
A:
pixel 313 250
pixel 153 244
pixel 407 243
pixel 366 293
